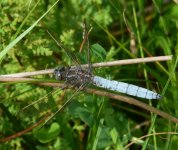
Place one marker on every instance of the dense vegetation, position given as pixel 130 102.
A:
pixel 88 121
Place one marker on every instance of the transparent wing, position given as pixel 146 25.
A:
pixel 67 51
pixel 50 104
pixel 76 92
pixel 38 108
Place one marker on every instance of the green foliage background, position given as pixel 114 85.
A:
pixel 89 121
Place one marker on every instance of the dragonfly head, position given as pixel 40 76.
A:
pixel 59 72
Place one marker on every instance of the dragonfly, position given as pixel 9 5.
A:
pixel 80 77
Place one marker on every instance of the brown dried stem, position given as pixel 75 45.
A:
pixel 24 131
pixel 96 65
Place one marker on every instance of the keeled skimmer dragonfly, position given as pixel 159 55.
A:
pixel 80 77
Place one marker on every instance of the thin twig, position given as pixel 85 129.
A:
pixel 96 65
pixel 24 131
pixel 132 61
pixel 145 136
pixel 16 79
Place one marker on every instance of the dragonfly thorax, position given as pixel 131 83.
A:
pixel 73 75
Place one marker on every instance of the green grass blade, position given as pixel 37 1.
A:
pixel 14 42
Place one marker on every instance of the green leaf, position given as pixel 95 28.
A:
pixel 77 110
pixel 45 134
pixel 98 51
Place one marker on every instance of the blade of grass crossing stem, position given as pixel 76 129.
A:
pixel 15 41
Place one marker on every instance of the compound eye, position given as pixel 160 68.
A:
pixel 58 73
